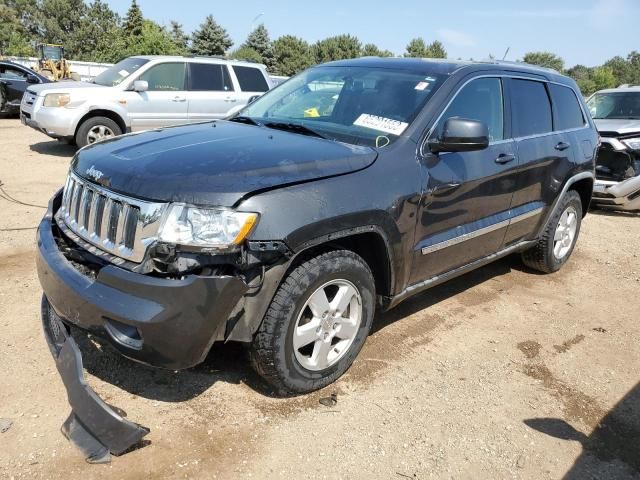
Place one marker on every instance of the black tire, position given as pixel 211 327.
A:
pixel 541 257
pixel 272 353
pixel 91 123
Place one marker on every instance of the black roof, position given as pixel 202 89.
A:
pixel 447 67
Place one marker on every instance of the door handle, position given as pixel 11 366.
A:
pixel 444 188
pixel 231 100
pixel 562 146
pixel 505 158
pixel 179 99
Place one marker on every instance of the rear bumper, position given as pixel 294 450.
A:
pixel 169 323
pixel 623 195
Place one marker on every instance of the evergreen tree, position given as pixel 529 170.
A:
pixel 372 50
pixel 292 55
pixel 259 41
pixel 337 48
pixel 134 20
pixel 247 54
pixel 210 39
pixel 436 50
pixel 416 48
pixel 179 37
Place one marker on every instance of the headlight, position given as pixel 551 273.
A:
pixel 57 99
pixel 206 227
pixel 632 143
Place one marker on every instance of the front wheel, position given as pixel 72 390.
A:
pixel 559 238
pixel 316 324
pixel 96 129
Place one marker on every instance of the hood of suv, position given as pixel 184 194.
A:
pixel 617 126
pixel 62 86
pixel 215 163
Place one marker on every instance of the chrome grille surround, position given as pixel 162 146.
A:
pixel 120 225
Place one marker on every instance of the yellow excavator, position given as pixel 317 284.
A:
pixel 52 64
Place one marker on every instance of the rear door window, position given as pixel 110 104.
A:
pixel 480 100
pixel 250 79
pixel 209 77
pixel 531 108
pixel 165 77
pixel 566 108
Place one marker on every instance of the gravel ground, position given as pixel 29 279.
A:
pixel 502 373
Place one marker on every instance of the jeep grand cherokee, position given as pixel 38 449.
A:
pixel 352 186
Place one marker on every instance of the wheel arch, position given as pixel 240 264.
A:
pixel 369 242
pixel 584 187
pixel 102 112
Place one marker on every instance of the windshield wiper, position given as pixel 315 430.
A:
pixel 245 119
pixel 295 128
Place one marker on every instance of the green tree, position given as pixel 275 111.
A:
pixel 259 41
pixel 246 53
pixel 372 50
pixel 100 36
pixel 13 35
pixel 416 48
pixel 61 23
pixel 210 39
pixel 634 61
pixel 153 40
pixel 292 55
pixel 579 72
pixel 179 37
pixel 134 20
pixel 336 48
pixel 621 68
pixel 436 50
pixel 544 59
pixel 586 86
pixel 603 77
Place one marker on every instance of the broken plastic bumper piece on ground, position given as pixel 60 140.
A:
pixel 93 426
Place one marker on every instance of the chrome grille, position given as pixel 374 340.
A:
pixel 116 224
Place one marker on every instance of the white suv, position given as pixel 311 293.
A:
pixel 140 93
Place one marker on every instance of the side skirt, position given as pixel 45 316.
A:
pixel 438 279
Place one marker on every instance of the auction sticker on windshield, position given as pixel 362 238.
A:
pixel 382 124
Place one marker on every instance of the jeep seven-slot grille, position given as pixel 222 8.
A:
pixel 113 223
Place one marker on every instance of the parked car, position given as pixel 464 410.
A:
pixel 351 187
pixel 141 93
pixel 616 113
pixel 14 80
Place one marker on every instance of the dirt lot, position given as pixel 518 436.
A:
pixel 502 373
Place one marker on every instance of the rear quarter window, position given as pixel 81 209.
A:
pixel 531 109
pixel 566 108
pixel 250 79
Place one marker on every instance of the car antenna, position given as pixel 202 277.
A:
pixel 505 53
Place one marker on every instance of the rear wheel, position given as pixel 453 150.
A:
pixel 316 324
pixel 96 129
pixel 559 238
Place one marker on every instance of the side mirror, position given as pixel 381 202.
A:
pixel 140 86
pixel 32 79
pixel 253 99
pixel 461 135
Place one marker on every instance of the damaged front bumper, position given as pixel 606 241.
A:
pixel 94 427
pixel 617 185
pixel 625 195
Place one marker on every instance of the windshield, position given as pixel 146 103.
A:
pixel 120 71
pixel 622 105
pixel 359 105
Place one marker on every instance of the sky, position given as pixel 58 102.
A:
pixel 588 32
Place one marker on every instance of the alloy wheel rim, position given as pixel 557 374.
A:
pixel 327 325
pixel 565 233
pixel 99 133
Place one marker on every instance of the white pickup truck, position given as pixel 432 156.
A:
pixel 141 93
